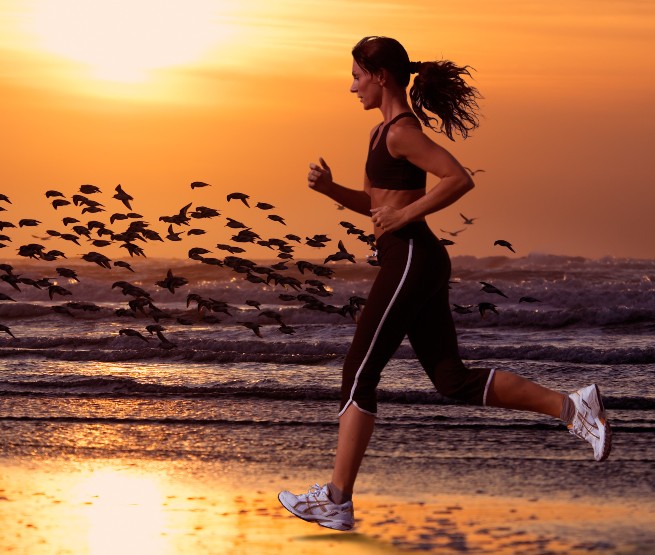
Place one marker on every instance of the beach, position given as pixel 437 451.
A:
pixel 159 507
pixel 115 443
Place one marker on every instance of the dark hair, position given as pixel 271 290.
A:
pixel 439 86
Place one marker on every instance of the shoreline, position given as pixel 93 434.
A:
pixel 169 507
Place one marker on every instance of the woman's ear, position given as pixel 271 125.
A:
pixel 382 77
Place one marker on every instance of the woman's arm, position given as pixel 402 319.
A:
pixel 320 179
pixel 411 143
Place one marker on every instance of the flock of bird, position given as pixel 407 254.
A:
pixel 186 221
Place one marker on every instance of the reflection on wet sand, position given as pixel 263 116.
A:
pixel 164 508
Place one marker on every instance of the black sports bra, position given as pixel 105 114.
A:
pixel 386 172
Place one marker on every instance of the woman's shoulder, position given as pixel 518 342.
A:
pixel 404 136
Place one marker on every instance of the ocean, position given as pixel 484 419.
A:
pixel 210 385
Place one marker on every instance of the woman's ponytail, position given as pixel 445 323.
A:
pixel 441 89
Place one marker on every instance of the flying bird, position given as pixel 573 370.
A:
pixel 198 184
pixel 6 330
pixel 454 233
pixel 28 222
pixel 503 243
pixel 57 290
pixel 234 224
pixel 341 254
pixel 276 218
pixel 89 189
pixel 60 202
pixel 53 193
pixel 132 333
pixel 528 299
pixel 264 206
pixel 484 307
pixel 239 196
pixel 467 221
pixel 252 326
pixel 488 288
pixel 122 264
pixel 473 172
pixel 172 282
pixel 67 273
pixel 123 196
pixel 172 235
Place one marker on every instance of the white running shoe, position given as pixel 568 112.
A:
pixel 590 422
pixel 316 506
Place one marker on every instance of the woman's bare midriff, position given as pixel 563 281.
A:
pixel 393 198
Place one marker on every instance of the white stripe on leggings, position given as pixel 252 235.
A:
pixel 377 331
pixel 486 387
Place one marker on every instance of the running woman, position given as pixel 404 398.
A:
pixel 409 297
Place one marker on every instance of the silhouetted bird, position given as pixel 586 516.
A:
pixel 205 212
pixel 6 330
pixel 255 304
pixel 230 248
pixel 271 314
pixel 132 333
pixel 252 326
pixel 181 218
pixel 198 184
pixel 67 273
pixel 59 202
pixel 89 189
pixel 172 282
pixel 98 259
pixel 240 196
pixel 234 224
pixel 172 235
pixel 341 254
pixel 123 196
pixel 122 264
pixel 276 218
pixel 528 299
pixel 488 288
pixel 467 221
pixel 57 290
pixel 473 172
pixel 484 307
pixel 504 243
pixel 462 309
pixel 264 206
pixel 53 193
pixel 454 233
pixel 28 222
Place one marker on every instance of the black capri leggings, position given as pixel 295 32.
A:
pixel 409 297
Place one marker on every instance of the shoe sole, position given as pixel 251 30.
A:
pixel 603 424
pixel 332 524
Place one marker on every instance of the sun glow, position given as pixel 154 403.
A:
pixel 126 40
pixel 124 513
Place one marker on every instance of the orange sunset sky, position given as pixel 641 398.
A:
pixel 243 94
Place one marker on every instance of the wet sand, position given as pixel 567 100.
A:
pixel 145 507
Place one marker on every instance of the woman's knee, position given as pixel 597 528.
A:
pixel 456 381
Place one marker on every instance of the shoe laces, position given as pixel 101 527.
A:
pixel 315 490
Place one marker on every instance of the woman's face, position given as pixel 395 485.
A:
pixel 367 87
